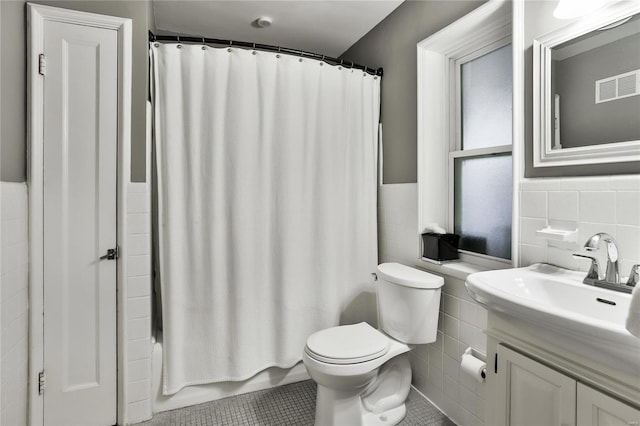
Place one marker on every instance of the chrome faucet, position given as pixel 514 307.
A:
pixel 611 278
pixel 612 274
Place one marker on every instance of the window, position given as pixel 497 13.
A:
pixel 465 177
pixel 480 159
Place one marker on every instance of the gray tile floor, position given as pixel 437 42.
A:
pixel 288 405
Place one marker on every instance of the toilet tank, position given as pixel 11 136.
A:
pixel 408 303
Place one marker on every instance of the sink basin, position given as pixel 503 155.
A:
pixel 566 312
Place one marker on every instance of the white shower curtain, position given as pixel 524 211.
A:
pixel 266 186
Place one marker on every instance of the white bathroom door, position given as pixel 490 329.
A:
pixel 80 142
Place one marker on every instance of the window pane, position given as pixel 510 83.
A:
pixel 486 100
pixel 483 204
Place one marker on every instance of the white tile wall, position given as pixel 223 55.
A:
pixel 593 204
pixel 590 204
pixel 435 367
pixel 138 293
pixel 14 304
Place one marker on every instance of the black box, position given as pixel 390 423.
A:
pixel 440 246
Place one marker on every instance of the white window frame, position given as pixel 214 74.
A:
pixel 481 31
pixel 455 143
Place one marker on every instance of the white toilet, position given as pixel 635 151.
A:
pixel 363 374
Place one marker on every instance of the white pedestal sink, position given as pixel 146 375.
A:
pixel 557 307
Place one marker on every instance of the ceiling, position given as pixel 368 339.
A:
pixel 325 27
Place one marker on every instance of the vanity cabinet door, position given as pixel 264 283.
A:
pixel 530 393
pixel 598 409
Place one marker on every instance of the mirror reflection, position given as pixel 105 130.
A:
pixel 595 87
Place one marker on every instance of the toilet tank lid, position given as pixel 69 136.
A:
pixel 409 277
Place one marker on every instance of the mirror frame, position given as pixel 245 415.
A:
pixel 543 155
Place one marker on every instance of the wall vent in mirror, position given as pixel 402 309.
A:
pixel 618 87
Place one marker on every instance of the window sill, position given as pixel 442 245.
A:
pixel 454 268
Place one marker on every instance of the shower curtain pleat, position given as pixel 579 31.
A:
pixel 266 193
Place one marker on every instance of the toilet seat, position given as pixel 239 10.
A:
pixel 347 344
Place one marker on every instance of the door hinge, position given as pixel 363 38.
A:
pixel 42 64
pixel 41 382
pixel 495 364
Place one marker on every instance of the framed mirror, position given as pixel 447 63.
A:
pixel 586 90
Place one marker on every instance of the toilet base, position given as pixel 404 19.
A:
pixel 377 400
pixel 390 417
pixel 348 411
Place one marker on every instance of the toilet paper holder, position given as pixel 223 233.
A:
pixel 475 364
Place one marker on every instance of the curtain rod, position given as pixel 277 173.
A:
pixel 267 47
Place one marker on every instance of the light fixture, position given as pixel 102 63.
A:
pixel 569 9
pixel 262 22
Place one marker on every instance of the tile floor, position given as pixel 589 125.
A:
pixel 288 405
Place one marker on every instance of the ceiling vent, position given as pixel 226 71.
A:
pixel 618 87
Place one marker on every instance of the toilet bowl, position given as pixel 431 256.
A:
pixel 363 374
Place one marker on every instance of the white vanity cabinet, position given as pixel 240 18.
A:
pixel 595 408
pixel 529 392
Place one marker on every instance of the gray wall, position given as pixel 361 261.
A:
pixel 539 20
pixel 13 140
pixel 584 122
pixel 392 45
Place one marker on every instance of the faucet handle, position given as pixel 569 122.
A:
pixel 634 276
pixel 594 270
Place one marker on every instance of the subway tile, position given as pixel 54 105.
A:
pixel 451 388
pixel 139 223
pixel 598 206
pixel 138 245
pixel 138 202
pixel 451 326
pixel 138 391
pixel 451 305
pixel 563 205
pixel 562 258
pixel 451 347
pixel 138 370
pixel 530 254
pixel 139 286
pixel 628 239
pixel 138 349
pixel 625 183
pixel 533 204
pixel 138 411
pixel 468 333
pixel 468 400
pixel 528 228
pixel 468 312
pixel 628 208
pixel 451 367
pixel 138 328
pixel 139 307
pixel 135 187
pixel 435 357
pixel 138 265
pixel 435 377
pixel 482 317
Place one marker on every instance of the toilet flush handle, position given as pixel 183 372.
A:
pixel 375 276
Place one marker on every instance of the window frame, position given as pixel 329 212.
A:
pixel 455 144
pixel 486 28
